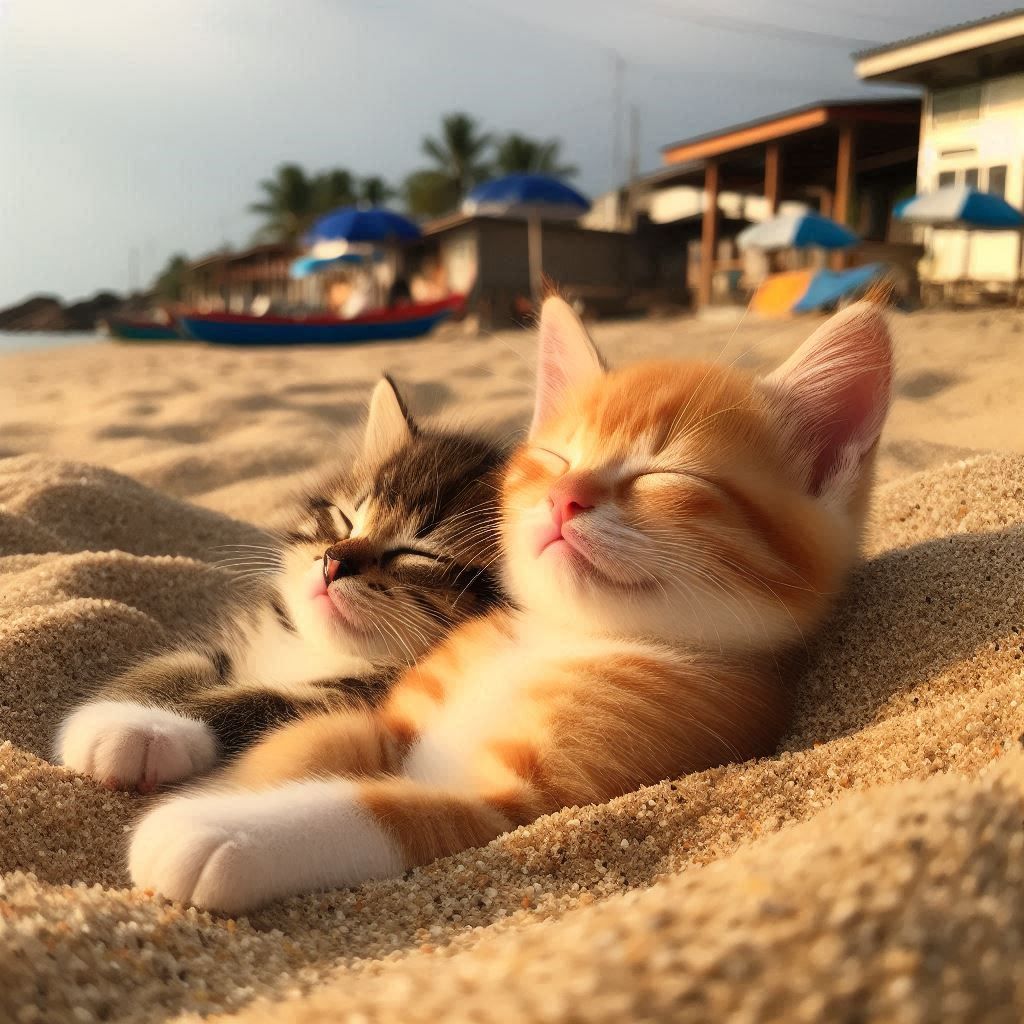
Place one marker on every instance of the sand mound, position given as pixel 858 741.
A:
pixel 872 870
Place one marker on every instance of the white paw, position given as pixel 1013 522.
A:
pixel 132 746
pixel 236 850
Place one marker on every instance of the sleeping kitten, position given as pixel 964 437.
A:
pixel 381 562
pixel 671 532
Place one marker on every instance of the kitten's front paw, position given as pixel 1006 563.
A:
pixel 186 850
pixel 131 746
pixel 234 850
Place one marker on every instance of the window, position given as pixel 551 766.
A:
pixel 947 178
pixel 997 181
pixel 951 105
pixel 971 176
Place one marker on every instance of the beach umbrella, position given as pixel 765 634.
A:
pixel 960 206
pixel 355 231
pixel 372 224
pixel 306 266
pixel 807 291
pixel 796 231
pixel 537 197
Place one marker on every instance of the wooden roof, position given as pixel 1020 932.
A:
pixel 776 127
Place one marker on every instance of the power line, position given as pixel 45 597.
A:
pixel 851 12
pixel 750 26
pixel 751 78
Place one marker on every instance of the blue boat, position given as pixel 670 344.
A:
pixel 400 322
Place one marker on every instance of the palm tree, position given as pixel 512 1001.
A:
pixel 429 193
pixel 332 189
pixel 518 154
pixel 293 199
pixel 375 191
pixel 460 153
pixel 289 203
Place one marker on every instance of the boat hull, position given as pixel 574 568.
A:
pixel 133 330
pixel 388 325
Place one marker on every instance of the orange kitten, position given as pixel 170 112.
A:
pixel 671 531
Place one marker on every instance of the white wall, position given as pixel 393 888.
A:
pixel 958 143
pixel 460 256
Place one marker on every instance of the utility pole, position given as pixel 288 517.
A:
pixel 634 166
pixel 618 69
pixel 133 268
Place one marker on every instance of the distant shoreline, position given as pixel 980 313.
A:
pixel 35 341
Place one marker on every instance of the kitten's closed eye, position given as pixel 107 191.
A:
pixel 667 477
pixel 411 558
pixel 330 521
pixel 550 459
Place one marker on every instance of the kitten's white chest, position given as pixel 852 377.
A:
pixel 285 661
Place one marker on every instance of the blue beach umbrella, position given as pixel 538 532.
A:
pixel 520 195
pixel 305 266
pixel 797 231
pixel 353 233
pixel 354 224
pixel 537 197
pixel 960 206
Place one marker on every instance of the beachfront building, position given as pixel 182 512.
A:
pixel 259 280
pixel 851 160
pixel 233 281
pixel 972 132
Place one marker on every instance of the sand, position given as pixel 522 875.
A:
pixel 872 870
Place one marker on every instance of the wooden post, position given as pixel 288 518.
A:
pixel 708 233
pixel 844 182
pixel 535 257
pixel 773 175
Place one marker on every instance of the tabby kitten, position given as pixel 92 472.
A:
pixel 671 532
pixel 381 562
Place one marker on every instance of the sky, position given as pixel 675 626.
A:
pixel 134 129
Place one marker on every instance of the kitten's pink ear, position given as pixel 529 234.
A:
pixel 567 361
pixel 389 426
pixel 833 395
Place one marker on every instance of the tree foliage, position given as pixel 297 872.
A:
pixel 461 154
pixel 292 199
pixel 170 283
pixel 519 154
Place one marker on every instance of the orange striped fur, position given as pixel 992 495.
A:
pixel 672 533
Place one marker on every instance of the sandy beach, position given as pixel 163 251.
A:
pixel 872 868
pixel 230 429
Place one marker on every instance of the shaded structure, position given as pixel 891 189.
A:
pixel 852 160
pixel 232 281
pixel 486 258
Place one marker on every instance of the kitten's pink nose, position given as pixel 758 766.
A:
pixel 331 569
pixel 337 565
pixel 568 498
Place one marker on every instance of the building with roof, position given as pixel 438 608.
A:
pixel 232 280
pixel 486 258
pixel 972 131
pixel 849 159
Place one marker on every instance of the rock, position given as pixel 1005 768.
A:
pixel 48 313
pixel 40 313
